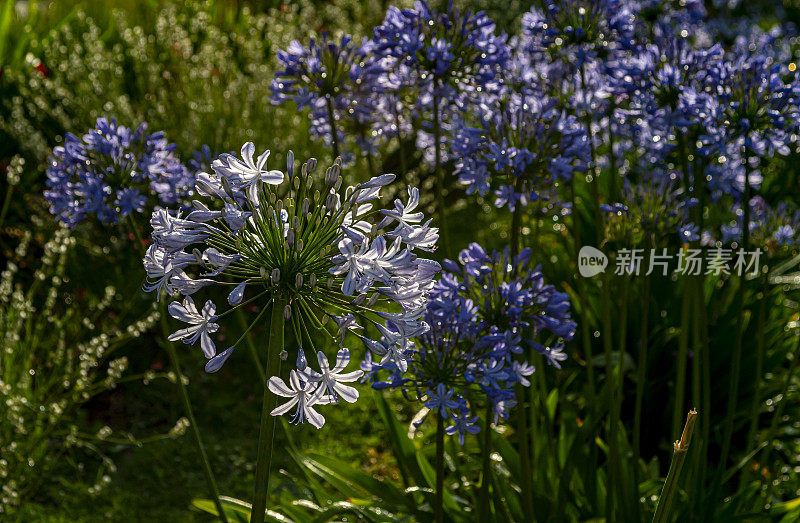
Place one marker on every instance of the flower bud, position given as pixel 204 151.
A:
pixel 275 276
pixel 298 281
pixel 226 186
pixel 358 300
pixel 287 312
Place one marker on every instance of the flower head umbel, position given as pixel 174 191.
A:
pixel 483 314
pixel 435 65
pixel 271 237
pixel 452 53
pixel 111 172
pixel 337 82
pixel 521 147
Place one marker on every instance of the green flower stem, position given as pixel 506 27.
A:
pixel 755 407
pixel 370 163
pixel 680 447
pixel 437 506
pixel 628 495
pixel 523 427
pixel 442 209
pixel 586 336
pixel 683 350
pixel 332 122
pixel 486 450
pixel 187 407
pixel 641 370
pixel 736 363
pixel 613 448
pixel 524 442
pixel 267 431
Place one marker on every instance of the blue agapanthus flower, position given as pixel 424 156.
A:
pixel 451 53
pixel 520 147
pixel 579 31
pixel 435 63
pixel 338 83
pixel 113 171
pixel 484 314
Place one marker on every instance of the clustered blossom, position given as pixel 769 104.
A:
pixel 770 227
pixel 435 65
pixel 111 172
pixel 449 54
pixel 271 238
pixel 484 313
pixel 338 83
pixel 521 146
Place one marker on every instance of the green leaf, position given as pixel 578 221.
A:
pixel 430 478
pixel 235 509
pixel 402 447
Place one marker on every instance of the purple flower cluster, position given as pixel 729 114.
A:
pixel 447 54
pixel 521 147
pixel 112 171
pixel 338 83
pixel 483 314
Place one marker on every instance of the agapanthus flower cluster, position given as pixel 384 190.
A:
pixel 447 53
pixel 770 228
pixel 521 147
pixel 654 208
pixel 338 83
pixel 278 239
pixel 578 31
pixel 484 314
pixel 435 64
pixel 753 109
pixel 113 171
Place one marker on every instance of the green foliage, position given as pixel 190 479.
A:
pixel 59 352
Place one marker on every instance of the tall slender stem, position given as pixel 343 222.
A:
pixel 486 450
pixel 585 328
pixel 523 426
pixel 613 448
pixel 442 209
pixel 187 408
pixel 370 164
pixel 755 407
pixel 332 124
pixel 641 370
pixel 680 372
pixel 736 363
pixel 680 447
pixel 267 431
pixel 438 508
pixel 524 442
